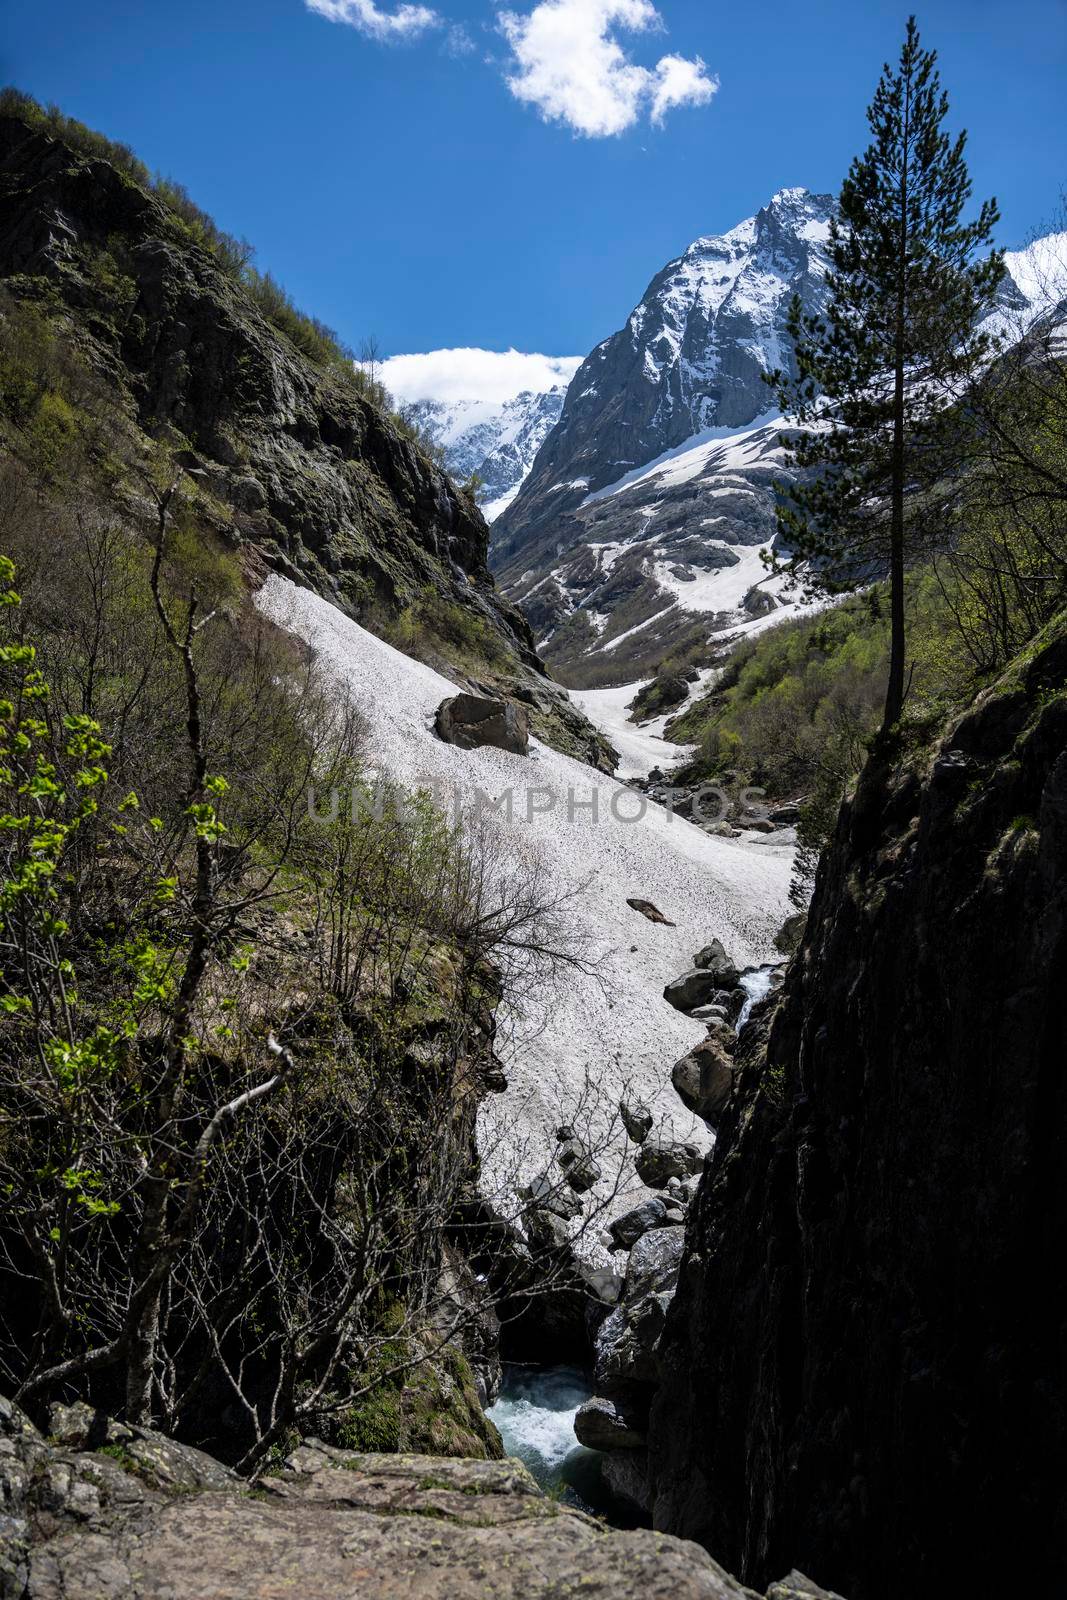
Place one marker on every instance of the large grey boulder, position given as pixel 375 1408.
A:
pixel 636 1119
pixel 691 989
pixel 713 958
pixel 469 720
pixel 626 1341
pixel 544 1195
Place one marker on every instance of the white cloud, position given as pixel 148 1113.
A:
pixel 490 375
pixel 569 64
pixel 406 22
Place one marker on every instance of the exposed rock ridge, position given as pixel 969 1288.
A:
pixel 863 1365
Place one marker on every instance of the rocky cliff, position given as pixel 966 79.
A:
pixel 301 470
pixel 864 1364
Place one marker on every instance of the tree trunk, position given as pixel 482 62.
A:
pixel 894 696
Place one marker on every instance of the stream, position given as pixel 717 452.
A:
pixel 535 1413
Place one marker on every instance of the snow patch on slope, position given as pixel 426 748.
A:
pixel 614 1028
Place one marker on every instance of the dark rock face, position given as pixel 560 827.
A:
pixel 329 1525
pixel 863 1367
pixel 469 720
pixel 299 470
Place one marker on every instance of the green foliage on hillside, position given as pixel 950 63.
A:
pixel 242 1039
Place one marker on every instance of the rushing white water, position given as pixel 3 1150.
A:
pixel 535 1413
pixel 757 986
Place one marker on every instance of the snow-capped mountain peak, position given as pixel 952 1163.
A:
pixel 490 411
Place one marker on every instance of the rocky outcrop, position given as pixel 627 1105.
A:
pixel 77 1522
pixel 863 1366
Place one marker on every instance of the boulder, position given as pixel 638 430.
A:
pixel 714 1015
pixel 626 1340
pixel 627 1229
pixel 660 1159
pixel 584 1173
pixel 713 958
pixel 692 989
pixel 636 1119
pixel 469 720
pixel 546 1231
pixel 715 951
pixel 704 1078
pixel 599 1425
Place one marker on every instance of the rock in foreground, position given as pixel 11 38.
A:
pixel 78 1524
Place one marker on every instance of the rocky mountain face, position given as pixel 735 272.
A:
pixel 863 1365
pixel 598 542
pixel 499 442
pixel 297 469
pixel 638 533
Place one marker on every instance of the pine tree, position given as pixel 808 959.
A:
pixel 880 370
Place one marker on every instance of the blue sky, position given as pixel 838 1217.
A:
pixel 393 180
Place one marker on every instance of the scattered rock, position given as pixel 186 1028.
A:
pixel 653 913
pixel 545 1195
pixel 692 989
pixel 636 1119
pixel 600 1426
pixel 584 1174
pixel 468 720
pixel 660 1159
pixel 627 1229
